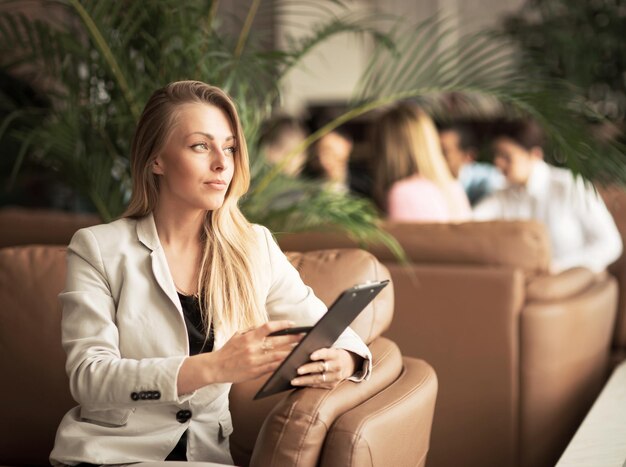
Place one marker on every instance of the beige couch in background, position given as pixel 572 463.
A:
pixel 520 353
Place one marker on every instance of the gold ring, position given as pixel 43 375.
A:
pixel 323 377
pixel 266 346
pixel 325 366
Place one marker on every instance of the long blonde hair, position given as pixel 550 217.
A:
pixel 406 143
pixel 227 273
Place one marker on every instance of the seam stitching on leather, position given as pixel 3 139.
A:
pixel 311 423
pixel 281 436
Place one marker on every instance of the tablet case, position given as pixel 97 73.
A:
pixel 325 332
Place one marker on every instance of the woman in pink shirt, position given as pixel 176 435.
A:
pixel 413 182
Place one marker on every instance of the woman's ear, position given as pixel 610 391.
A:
pixel 157 166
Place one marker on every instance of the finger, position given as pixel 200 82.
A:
pixel 266 368
pixel 283 341
pixel 273 326
pixel 259 332
pixel 316 380
pixel 272 356
pixel 314 367
pixel 324 354
pixel 267 344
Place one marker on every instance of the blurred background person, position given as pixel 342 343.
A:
pixel 459 146
pixel 582 231
pixel 280 136
pixel 329 159
pixel 412 181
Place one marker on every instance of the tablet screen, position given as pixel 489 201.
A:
pixel 325 332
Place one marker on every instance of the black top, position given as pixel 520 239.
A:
pixel 195 334
pixel 195 329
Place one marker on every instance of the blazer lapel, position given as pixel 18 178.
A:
pixel 147 234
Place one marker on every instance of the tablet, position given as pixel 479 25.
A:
pixel 325 332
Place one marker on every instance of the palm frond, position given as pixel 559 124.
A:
pixel 296 205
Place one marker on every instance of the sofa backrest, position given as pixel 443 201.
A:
pixel 520 244
pixel 21 226
pixel 35 387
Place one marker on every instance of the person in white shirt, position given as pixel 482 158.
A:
pixel 582 231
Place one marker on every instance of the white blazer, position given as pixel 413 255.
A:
pixel 124 334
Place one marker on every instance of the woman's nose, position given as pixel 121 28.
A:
pixel 219 161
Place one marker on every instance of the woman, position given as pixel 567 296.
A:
pixel 166 307
pixel 412 180
pixel 582 231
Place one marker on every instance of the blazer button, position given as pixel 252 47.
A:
pixel 134 396
pixel 157 394
pixel 143 395
pixel 183 415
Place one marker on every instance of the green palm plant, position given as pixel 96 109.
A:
pixel 107 57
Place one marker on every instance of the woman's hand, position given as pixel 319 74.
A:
pixel 247 355
pixel 328 367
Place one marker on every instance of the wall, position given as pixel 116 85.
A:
pixel 333 69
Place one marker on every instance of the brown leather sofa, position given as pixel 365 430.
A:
pixel 520 353
pixel 384 421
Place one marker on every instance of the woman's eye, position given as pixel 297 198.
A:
pixel 230 150
pixel 203 146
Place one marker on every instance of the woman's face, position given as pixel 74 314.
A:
pixel 514 161
pixel 333 151
pixel 197 163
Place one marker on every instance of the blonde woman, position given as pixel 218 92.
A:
pixel 412 180
pixel 167 306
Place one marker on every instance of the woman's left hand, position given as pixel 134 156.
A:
pixel 328 367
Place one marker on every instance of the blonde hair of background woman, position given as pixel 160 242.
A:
pixel 226 281
pixel 406 143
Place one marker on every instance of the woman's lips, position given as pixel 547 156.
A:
pixel 217 185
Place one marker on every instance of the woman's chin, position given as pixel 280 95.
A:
pixel 213 204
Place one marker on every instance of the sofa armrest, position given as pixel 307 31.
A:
pixel 362 436
pixel 559 286
pixel 564 359
pixel 295 430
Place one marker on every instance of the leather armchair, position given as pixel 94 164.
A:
pixel 520 353
pixel 383 421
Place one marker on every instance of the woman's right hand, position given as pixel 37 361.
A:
pixel 247 355
pixel 251 354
